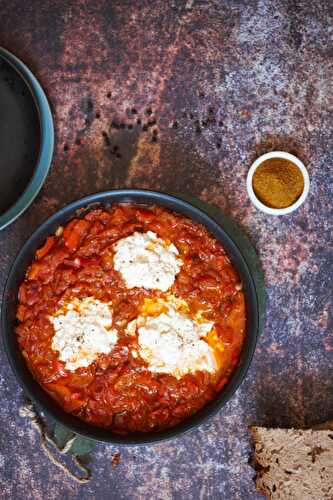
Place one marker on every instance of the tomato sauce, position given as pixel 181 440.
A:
pixel 118 391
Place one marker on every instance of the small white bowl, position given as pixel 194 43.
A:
pixel 277 211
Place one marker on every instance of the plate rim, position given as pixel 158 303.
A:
pixel 45 154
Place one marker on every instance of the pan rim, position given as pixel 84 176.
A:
pixel 73 423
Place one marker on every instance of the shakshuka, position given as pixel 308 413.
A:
pixel 131 317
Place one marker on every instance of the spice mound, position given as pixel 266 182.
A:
pixel 278 183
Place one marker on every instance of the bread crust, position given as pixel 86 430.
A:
pixel 294 464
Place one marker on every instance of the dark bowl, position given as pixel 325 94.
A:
pixel 26 137
pixel 16 276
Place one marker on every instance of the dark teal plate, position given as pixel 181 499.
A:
pixel 26 137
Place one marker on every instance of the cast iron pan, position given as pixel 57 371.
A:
pixel 26 137
pixel 16 276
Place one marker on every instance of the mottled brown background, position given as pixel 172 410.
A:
pixel 225 81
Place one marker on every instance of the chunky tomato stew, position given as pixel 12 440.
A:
pixel 132 318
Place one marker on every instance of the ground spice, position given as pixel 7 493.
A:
pixel 278 183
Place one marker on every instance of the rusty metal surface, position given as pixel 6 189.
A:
pixel 182 96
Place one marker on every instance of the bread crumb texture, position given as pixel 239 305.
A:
pixel 294 464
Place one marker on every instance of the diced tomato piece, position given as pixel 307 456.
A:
pixel 33 292
pixel 43 270
pixel 98 214
pixel 74 236
pixel 44 250
pixel 20 313
pixel 207 283
pixel 221 384
pixel 68 228
pixel 155 226
pixel 76 263
pixel 221 261
pixel 119 216
pixel 161 415
pixel 34 270
pixel 76 399
pixel 78 381
pixel 90 262
pixel 22 295
pixel 107 261
pixel 79 262
pixel 96 228
pixel 105 217
pixel 144 215
pixel 180 410
pixel 94 214
pixel 59 389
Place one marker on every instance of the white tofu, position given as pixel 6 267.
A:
pixel 83 332
pixel 172 342
pixel 145 260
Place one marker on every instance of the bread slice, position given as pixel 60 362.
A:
pixel 294 464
